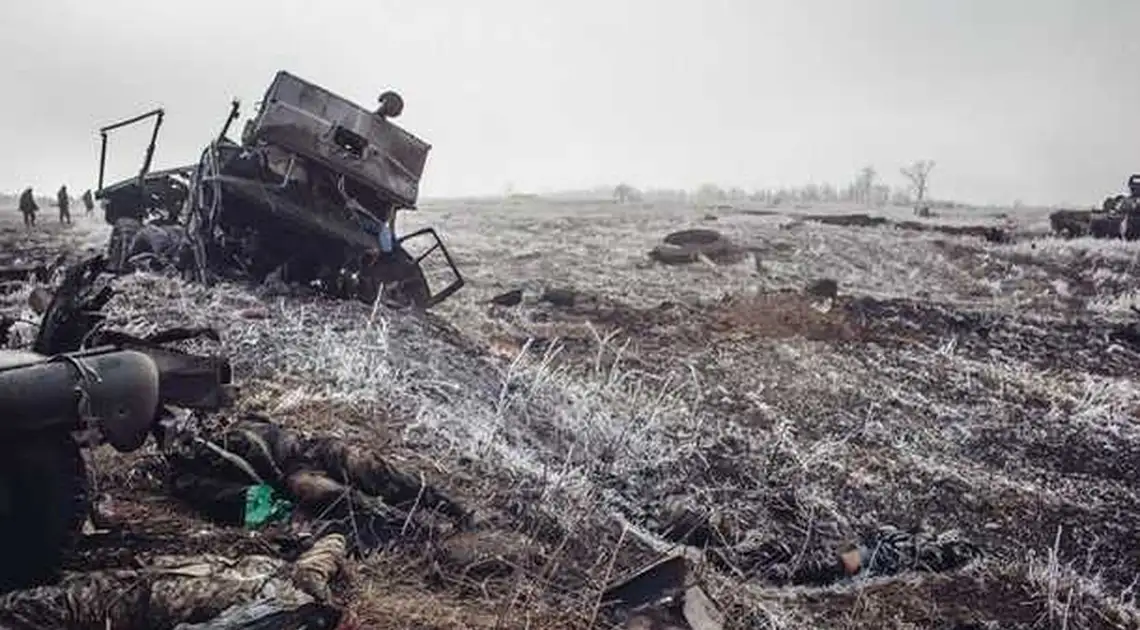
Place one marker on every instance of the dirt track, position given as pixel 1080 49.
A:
pixel 955 383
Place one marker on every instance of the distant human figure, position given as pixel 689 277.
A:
pixel 64 203
pixel 28 207
pixel 88 201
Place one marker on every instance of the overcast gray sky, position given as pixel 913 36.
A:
pixel 1016 99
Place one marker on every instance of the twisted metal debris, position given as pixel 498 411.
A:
pixel 309 195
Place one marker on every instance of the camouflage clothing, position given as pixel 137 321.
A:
pixel 317 473
pixel 886 551
pixel 88 201
pixel 177 589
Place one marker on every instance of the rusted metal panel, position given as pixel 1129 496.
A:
pixel 318 124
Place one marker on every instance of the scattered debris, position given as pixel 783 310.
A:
pixel 13 276
pixel 560 297
pixel 824 291
pixel 991 234
pixel 825 288
pixel 39 273
pixel 510 298
pixel 662 595
pixel 311 194
pixel 848 220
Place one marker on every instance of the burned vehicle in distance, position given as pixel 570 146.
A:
pixel 1118 217
pixel 309 196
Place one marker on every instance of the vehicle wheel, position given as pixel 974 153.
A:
pixel 44 500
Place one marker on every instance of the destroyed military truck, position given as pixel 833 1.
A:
pixel 1122 203
pixel 308 196
pixel 1118 217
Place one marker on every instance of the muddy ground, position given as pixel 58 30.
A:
pixel 982 390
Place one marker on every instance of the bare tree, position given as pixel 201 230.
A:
pixel 919 176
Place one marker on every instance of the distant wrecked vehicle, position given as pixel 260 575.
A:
pixel 1118 217
pixel 308 196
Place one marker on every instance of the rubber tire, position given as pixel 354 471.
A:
pixel 696 237
pixel 687 246
pixel 44 500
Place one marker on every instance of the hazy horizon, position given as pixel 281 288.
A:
pixel 1014 99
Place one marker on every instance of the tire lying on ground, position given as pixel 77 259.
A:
pixel 688 246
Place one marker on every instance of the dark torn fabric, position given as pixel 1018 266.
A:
pixel 176 590
pixel 328 479
pixel 887 550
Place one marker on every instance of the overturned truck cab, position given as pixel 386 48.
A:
pixel 309 196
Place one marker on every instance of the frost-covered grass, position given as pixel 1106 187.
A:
pixel 596 426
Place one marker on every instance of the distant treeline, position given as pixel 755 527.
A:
pixel 865 188
pixel 878 195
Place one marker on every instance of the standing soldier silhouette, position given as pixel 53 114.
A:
pixel 64 203
pixel 28 207
pixel 88 201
